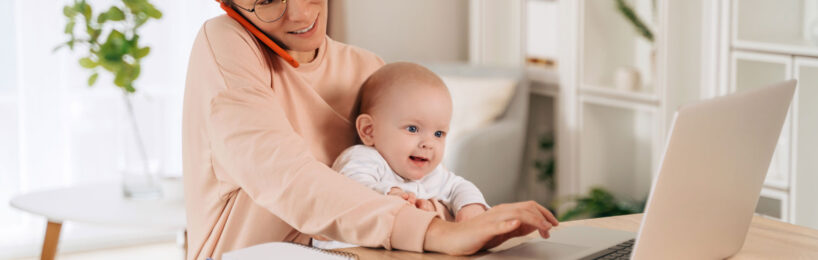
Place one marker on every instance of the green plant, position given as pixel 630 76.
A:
pixel 120 53
pixel 546 166
pixel 626 10
pixel 600 203
pixel 110 38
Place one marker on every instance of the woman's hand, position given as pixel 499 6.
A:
pixel 489 229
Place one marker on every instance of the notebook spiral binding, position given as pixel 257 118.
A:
pixel 330 252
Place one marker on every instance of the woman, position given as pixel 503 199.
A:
pixel 259 134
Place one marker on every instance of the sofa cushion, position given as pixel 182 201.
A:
pixel 477 102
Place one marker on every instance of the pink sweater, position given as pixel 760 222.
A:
pixel 257 142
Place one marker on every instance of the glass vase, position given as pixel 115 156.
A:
pixel 138 171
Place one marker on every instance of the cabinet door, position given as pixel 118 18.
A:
pixel 786 26
pixel 805 144
pixel 753 70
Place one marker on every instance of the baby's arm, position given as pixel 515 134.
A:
pixel 362 166
pixel 469 211
pixel 464 198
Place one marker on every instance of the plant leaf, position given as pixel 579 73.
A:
pixel 142 52
pixel 120 79
pixel 69 11
pixel 115 14
pixel 102 18
pixel 152 11
pixel 92 79
pixel 69 27
pixel 86 11
pixel 87 63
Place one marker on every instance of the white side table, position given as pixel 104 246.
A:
pixel 99 203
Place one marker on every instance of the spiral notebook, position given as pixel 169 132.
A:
pixel 285 250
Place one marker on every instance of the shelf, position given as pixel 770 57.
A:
pixel 796 48
pixel 548 76
pixel 773 204
pixel 616 150
pixel 544 90
pixel 609 43
pixel 615 97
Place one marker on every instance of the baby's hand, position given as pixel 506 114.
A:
pixel 427 205
pixel 469 211
pixel 407 196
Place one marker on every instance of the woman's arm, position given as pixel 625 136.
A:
pixel 256 150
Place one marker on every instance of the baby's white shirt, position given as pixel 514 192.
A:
pixel 365 165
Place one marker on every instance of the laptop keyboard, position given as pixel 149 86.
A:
pixel 619 251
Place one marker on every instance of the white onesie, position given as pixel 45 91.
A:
pixel 365 165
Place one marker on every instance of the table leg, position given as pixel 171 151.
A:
pixel 52 236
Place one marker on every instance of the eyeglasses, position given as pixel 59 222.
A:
pixel 267 11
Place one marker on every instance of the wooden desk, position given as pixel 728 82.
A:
pixel 767 239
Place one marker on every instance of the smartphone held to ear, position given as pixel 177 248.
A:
pixel 260 35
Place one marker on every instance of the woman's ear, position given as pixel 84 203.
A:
pixel 364 125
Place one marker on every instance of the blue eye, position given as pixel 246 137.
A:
pixel 439 134
pixel 412 129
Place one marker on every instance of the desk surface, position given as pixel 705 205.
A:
pixel 767 239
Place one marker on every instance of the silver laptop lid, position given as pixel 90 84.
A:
pixel 718 154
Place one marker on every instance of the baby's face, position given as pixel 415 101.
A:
pixel 409 129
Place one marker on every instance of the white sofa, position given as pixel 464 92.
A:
pixel 490 155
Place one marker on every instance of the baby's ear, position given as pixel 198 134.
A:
pixel 364 125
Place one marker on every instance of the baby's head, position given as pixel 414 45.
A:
pixel 404 114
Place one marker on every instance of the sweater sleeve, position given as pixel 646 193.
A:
pixel 362 165
pixel 258 151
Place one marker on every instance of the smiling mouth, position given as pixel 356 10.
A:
pixel 418 159
pixel 309 28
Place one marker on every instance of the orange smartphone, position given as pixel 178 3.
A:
pixel 260 35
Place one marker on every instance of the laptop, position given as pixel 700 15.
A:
pixel 703 198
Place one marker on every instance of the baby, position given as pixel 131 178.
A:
pixel 403 118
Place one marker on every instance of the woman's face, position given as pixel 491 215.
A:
pixel 293 30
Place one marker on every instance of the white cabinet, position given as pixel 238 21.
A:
pixel 613 137
pixel 608 133
pixel 771 41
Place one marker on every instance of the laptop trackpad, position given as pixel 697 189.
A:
pixel 537 250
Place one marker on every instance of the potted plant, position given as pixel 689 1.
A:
pixel 109 42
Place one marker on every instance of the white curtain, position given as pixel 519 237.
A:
pixel 55 131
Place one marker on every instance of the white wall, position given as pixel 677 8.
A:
pixel 56 131
pixel 496 32
pixel 418 30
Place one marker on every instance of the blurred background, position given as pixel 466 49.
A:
pixel 568 103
